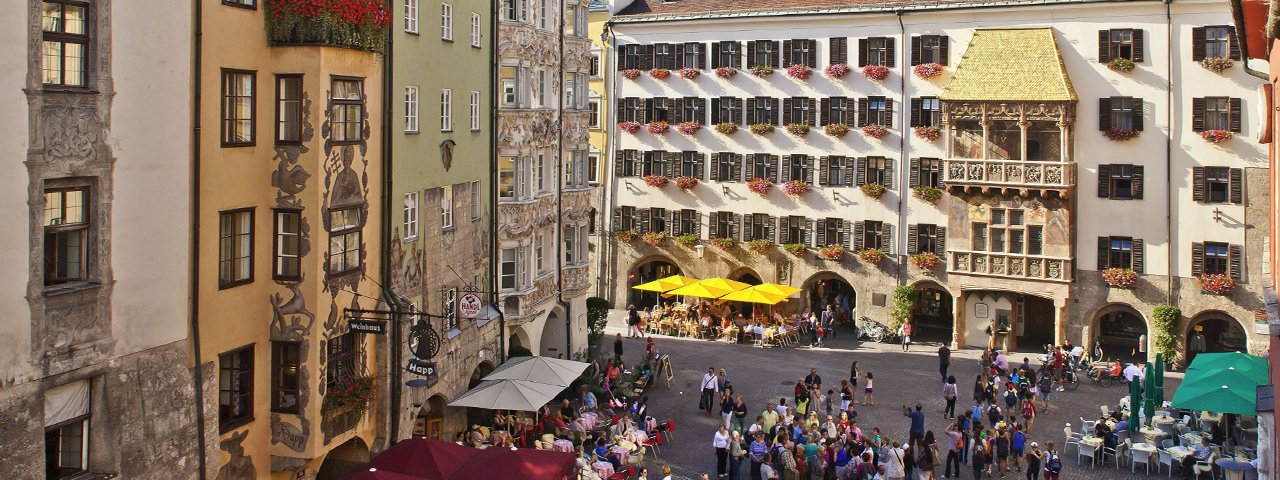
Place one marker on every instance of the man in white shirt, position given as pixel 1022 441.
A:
pixel 710 386
pixel 1132 371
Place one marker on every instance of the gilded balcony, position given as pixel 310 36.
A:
pixel 1004 175
pixel 1009 265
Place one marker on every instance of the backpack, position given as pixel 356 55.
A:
pixel 976 413
pixel 959 443
pixel 1010 398
pixel 1019 440
pixel 1028 409
pixel 993 414
pixel 1054 465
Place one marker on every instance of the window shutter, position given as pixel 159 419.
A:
pixel 678 59
pixel 1139 46
pixel 674 218
pixel 886 238
pixel 1235 115
pixel 751 111
pixel 839 50
pixel 849 171
pixel 862 112
pixel 1104 46
pixel 1137 181
pixel 1197 44
pixel 912 242
pixel 737 173
pixel 751 52
pixel 861 173
pixel 769 232
pixel 715 55
pixel 786 52
pixel 940 241
pixel 943 49
pixel 697 224
pixel 745 168
pixel 824 105
pixel 808 169
pixel 917 104
pixel 774 111
pixel 617 218
pixel 1137 114
pixel 735 226
pixel 845 236
pixel 1237 186
pixel 1104 250
pixel 715 111
pixel 1236 254
pixel 643 214
pixel 888 113
pixel 773 168
pixel 813 113
pixel 672 161
pixel 1139 256
pixel 737 112
pixel 1104 113
pixel 824 164
pixel 1197 259
pixel 812 60
pixel 1233 42
pixel 773 54
pixel 675 110
pixel 913 176
pixel 888 173
pixel 1197 184
pixel 1104 181
pixel 713 227
pixel 648 109
pixel 787 104
pixel 889 52
pixel 646 57
pixel 619 169
pixel 859 229
pixel 915 50
pixel 700 168
pixel 1197 113
pixel 784 226
pixel 702 56
pixel 786 169
pixel 715 169
pixel 622 55
pixel 820 239
pixel 863 52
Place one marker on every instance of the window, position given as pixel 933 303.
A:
pixel 1119 252
pixel 547 19
pixel 836 167
pixel 631 164
pixel 285 362
pixel 657 219
pixel 1121 113
pixel 347 111
pixel 475 29
pixel 1217 113
pixel 877 171
pixel 722 225
pixel 475 111
pixel 344 240
pixel 446 110
pixel 235 247
pixel 237 107
pixel 410 216
pixel 1217 42
pixel 288 109
pixel 689 164
pixel 927 239
pixel 875 110
pixel 688 222
pixel 1120 181
pixel 997 239
pixel 542 88
pixel 1217 184
pixel 765 54
pixel 763 111
pixel 872 235
pixel 929 49
pixel 727 54
pixel 800 110
pixel 569 90
pixel 66 235
pixel 594 70
pixel 830 232
pixel 760 227
pixel 798 168
pixel 570 241
pixel 664 56
pixel 661 110
pixel 693 53
pixel 540 174
pixel 66 440
pixel 446 207
pixel 876 51
pixel 507 176
pixel 446 22
pixel 476 203
pixel 1216 259
pixel 626 219
pixel 1035 240
pixel 593 121
pixel 979 242
pixel 836 111
pixel 725 110
pixel 802 52
pixel 450 308
pixel 726 166
pixel 655 163
pixel 928 173
pixel 240 3
pixel 693 109
pixel 926 112
pixel 761 166
pixel 510 91
pixel 341 362
pixel 507 276
pixel 235 388
pixel 288 245
pixel 411 16
pixel 411 109
pixel 593 168
pixel 629 56
pixel 1123 43
pixel 796 229
pixel 65 48
pixel 509 10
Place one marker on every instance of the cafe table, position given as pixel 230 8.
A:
pixel 603 468
pixel 1092 442
pixel 589 420
pixel 1153 434
pixel 1234 469
pixel 562 445
pixel 1178 453
pixel 1146 448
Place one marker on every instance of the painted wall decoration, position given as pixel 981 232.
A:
pixel 239 466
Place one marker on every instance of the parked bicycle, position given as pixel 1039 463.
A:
pixel 877 332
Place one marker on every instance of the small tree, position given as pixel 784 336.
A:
pixel 1166 338
pixel 904 301
pixel 597 318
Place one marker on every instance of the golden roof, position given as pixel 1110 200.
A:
pixel 1011 65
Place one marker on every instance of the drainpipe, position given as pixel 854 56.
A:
pixel 904 165
pixel 1168 147
pixel 197 374
pixel 493 182
pixel 392 363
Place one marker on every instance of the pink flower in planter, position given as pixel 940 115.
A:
pixel 796 188
pixel 1216 136
pixel 927 70
pixel 760 186
pixel 837 70
pixel 1121 134
pixel 1216 64
pixel 688 128
pixel 726 72
pixel 659 127
pixel 798 129
pixel 931 134
pixel 689 73
pixel 799 72
pixel 761 71
pixel 660 73
pixel 836 129
pixel 1216 284
pixel 875 130
pixel 686 183
pixel 655 181
pixel 630 73
pixel 629 126
pixel 875 72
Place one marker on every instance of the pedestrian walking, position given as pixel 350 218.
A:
pixel 726 408
pixel 720 441
pixel 617 348
pixel 1052 463
pixel 944 360
pixel 736 453
pixel 855 374
pixel 949 393
pixel 739 414
pixel 867 394
pixel 710 385
pixel 633 322
pixel 979 461
pixel 1044 387
pixel 666 472
pixel 1034 457
pixel 894 461
pixel 905 331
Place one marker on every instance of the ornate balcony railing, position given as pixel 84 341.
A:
pixel 1008 265
pixel 1009 174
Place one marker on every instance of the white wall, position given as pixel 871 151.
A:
pixel 15 314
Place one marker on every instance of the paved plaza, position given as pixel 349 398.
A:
pixel 761 375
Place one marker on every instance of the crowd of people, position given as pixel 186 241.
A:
pixel 715 319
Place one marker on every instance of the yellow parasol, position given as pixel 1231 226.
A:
pixel 666 284
pixel 755 295
pixel 709 288
pixel 773 288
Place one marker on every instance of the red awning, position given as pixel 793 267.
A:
pixel 375 474
pixel 424 459
pixel 521 464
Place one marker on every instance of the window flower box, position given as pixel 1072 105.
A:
pixel 1121 65
pixel 659 127
pixel 761 71
pixel 927 70
pixel 799 72
pixel 686 183
pixel 875 130
pixel 727 128
pixel 687 240
pixel 760 186
pixel 726 72
pixel 871 255
pixel 1216 64
pixel 837 70
pixel 925 261
pixel 655 181
pixel 630 73
pixel 873 190
pixel 838 130
pixel 832 252
pixel 352 392
pixel 1216 284
pixel 653 238
pixel 688 128
pixel 721 243
pixel 625 236
pixel 759 247
pixel 1121 134
pixel 796 188
pixel 354 24
pixel 1119 277
pixel 660 73
pixel 875 72
pixel 796 249
pixel 762 128
pixel 629 126
pixel 689 73
pixel 798 129
pixel 931 134
pixel 927 193
pixel 1216 136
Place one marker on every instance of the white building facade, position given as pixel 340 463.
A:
pixel 1051 164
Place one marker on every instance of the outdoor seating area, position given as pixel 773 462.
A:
pixel 724 310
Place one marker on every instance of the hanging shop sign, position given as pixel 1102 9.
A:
pixel 375 327
pixel 424 342
pixel 470 305
pixel 424 369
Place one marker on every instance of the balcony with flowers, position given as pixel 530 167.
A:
pixel 351 24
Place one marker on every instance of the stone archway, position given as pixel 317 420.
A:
pixel 479 416
pixel 933 317
pixel 555 335
pixel 745 275
pixel 429 423
pixel 518 344
pixel 828 287
pixel 1215 331
pixel 1120 331
pixel 344 459
pixel 647 270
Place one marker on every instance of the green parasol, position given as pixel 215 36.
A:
pixel 1249 365
pixel 1219 392
pixel 1135 400
pixel 1149 393
pixel 1160 379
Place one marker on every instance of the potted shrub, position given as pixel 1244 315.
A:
pixel 1216 284
pixel 837 70
pixel 761 71
pixel 688 128
pixel 874 130
pixel 931 134
pixel 660 73
pixel 798 129
pixel 726 72
pixel 727 128
pixel 629 126
pixel 871 255
pixel 659 127
pixel 759 247
pixel 832 252
pixel 655 180
pixel 927 193
pixel 1216 64
pixel 1216 136
pixel 799 72
pixel 837 130
pixel 630 73
pixel 1119 277
pixel 625 236
pixel 796 249
pixel 653 238
pixel 873 190
pixel 760 186
pixel 721 243
pixel 1121 65
pixel 687 239
pixel 762 128
pixel 925 261
pixel 1120 134
pixel 875 72
pixel 686 183
pixel 1166 319
pixel 796 188
pixel 689 73
pixel 927 70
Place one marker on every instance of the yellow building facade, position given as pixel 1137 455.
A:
pixel 597 17
pixel 289 233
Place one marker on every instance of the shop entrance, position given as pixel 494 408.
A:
pixel 1035 323
pixel 479 416
pixel 932 318
pixel 1122 335
pixel 1213 333
pixel 344 459
pixel 823 289
pixel 648 272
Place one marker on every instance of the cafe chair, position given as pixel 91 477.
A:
pixel 653 443
pixel 1081 448
pixel 1115 453
pixel 671 428
pixel 1166 458
pixel 1140 456
pixel 1071 439
pixel 1204 466
pixel 625 474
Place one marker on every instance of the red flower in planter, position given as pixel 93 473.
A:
pixel 630 73
pixel 726 72
pixel 927 70
pixel 875 130
pixel 655 181
pixel 837 70
pixel 629 126
pixel 659 127
pixel 1216 284
pixel 875 72
pixel 688 128
pixel 1120 277
pixel 760 186
pixel 799 72
pixel 1216 136
pixel 660 73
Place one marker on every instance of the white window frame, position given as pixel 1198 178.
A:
pixel 411 16
pixel 540 173
pixel 511 256
pixel 475 201
pixel 593 158
pixel 593 122
pixel 446 22
pixel 570 243
pixel 410 216
pixel 475 29
pixel 475 111
pixel 548 13
pixel 540 254
pixel 570 90
pixel 411 109
pixel 446 207
pixel 446 110
pixel 541 88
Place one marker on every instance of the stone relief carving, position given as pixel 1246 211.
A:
pixel 406 271
pixel 70 132
pixel 71 322
pixel 239 466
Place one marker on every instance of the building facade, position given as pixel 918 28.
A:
pixel 1000 159
pixel 597 20
pixel 290 217
pixel 95 371
pixel 544 197
pixel 440 175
